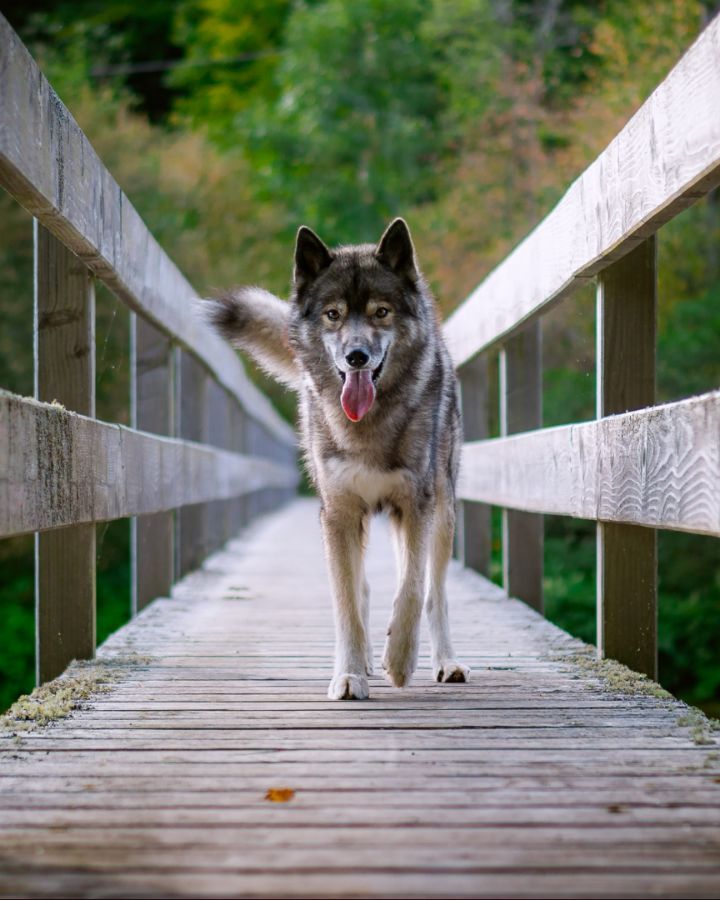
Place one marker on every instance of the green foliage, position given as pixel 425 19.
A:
pixel 17 607
pixel 352 137
pixel 245 44
pixel 689 618
pixel 569 579
pixel 689 362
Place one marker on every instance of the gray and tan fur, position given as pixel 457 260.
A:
pixel 361 308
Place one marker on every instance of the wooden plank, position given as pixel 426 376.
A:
pixel 663 160
pixel 473 530
pixel 516 881
pixel 627 554
pixel 49 166
pixel 537 770
pixel 64 373
pixel 521 410
pixel 90 471
pixel 152 395
pixel 657 467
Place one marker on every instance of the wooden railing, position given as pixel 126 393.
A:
pixel 201 431
pixel 638 467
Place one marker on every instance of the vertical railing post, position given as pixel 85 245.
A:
pixel 152 405
pixel 192 425
pixel 239 513
pixel 521 410
pixel 252 448
pixel 219 435
pixel 65 559
pixel 474 525
pixel 627 554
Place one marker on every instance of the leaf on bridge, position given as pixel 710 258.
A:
pixel 279 795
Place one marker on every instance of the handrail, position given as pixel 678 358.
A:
pixel 52 490
pixel 49 166
pixel 206 450
pixel 663 160
pixel 638 467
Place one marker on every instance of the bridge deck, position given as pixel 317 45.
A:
pixel 536 779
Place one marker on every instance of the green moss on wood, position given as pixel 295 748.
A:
pixel 56 699
pixel 616 676
pixel 701 727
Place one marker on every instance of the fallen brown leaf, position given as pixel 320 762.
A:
pixel 279 795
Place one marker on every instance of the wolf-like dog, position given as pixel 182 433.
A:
pixel 360 341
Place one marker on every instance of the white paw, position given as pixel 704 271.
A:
pixel 450 670
pixel 400 659
pixel 349 687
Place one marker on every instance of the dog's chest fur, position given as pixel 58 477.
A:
pixel 373 486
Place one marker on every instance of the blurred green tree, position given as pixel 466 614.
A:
pixel 351 137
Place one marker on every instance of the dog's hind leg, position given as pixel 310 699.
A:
pixel 445 666
pixel 401 646
pixel 344 534
pixel 365 608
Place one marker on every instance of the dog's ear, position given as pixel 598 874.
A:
pixel 396 251
pixel 311 256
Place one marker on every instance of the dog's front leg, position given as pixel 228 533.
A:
pixel 344 534
pixel 445 665
pixel 401 646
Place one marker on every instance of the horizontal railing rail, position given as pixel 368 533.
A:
pixel 82 470
pixel 663 160
pixel 658 467
pixel 206 450
pixel 49 166
pixel 638 467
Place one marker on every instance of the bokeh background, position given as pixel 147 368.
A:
pixel 231 122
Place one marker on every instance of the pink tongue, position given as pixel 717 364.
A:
pixel 358 394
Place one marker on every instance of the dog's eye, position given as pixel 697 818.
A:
pixel 381 312
pixel 332 314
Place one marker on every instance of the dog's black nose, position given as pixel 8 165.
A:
pixel 357 358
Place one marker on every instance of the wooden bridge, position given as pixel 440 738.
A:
pixel 195 754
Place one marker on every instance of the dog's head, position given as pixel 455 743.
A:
pixel 353 308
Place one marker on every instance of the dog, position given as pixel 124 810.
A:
pixel 360 341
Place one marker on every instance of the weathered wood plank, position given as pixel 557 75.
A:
pixel 65 560
pixel 658 467
pixel 534 771
pixel 152 396
pixel 83 471
pixel 521 410
pixel 406 882
pixel 49 166
pixel 664 159
pixel 474 530
pixel 627 554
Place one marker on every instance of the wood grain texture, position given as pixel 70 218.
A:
pixel 80 470
pixel 657 467
pixel 535 779
pixel 474 530
pixel 627 554
pixel 521 410
pixel 152 395
pixel 664 159
pixel 65 560
pixel 49 166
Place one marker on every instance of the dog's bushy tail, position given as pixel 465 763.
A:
pixel 254 320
